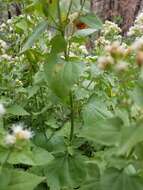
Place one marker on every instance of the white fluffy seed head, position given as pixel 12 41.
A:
pixel 10 139
pixel 17 128
pixel 2 110
pixel 20 133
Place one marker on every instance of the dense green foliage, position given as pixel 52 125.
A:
pixel 71 117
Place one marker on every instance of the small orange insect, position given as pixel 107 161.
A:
pixel 80 25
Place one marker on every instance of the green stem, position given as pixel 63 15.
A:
pixel 62 29
pixel 70 6
pixel 72 117
pixel 82 5
pixel 59 17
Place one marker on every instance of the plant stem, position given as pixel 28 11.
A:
pixel 62 29
pixel 72 117
pixel 59 17
pixel 82 5
pixel 69 9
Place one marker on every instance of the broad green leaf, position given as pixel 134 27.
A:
pixel 93 184
pixel 106 132
pixel 114 179
pixel 17 110
pixel 40 28
pixel 5 178
pixel 36 7
pixel 94 111
pixel 41 156
pixel 85 32
pixel 51 10
pixel 58 44
pixel 131 136
pixel 137 95
pixel 92 181
pixel 35 157
pixel 66 171
pixel 32 90
pixel 92 21
pixel 61 75
pixel 21 180
pixel 22 25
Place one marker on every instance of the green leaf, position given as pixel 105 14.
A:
pixel 5 178
pixel 51 10
pixel 85 32
pixel 94 111
pixel 58 44
pixel 32 90
pixel 40 28
pixel 92 21
pixel 106 132
pixel 17 110
pixel 41 156
pixel 65 171
pixel 23 180
pixel 92 181
pixel 131 136
pixel 137 95
pixel 93 184
pixel 114 179
pixel 61 75
pixel 35 157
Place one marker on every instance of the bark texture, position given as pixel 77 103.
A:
pixel 126 9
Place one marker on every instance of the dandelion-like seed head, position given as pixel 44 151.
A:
pixel 21 133
pixel 10 139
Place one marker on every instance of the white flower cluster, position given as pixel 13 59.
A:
pixel 3 51
pixel 101 41
pixel 109 33
pixel 110 28
pixel 138 44
pixel 137 29
pixel 83 49
pixel 2 27
pixel 18 133
pixel 3 46
pixel 6 57
pixel 76 50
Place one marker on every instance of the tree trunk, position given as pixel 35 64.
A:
pixel 126 9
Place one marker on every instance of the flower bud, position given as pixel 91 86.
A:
pixel 104 62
